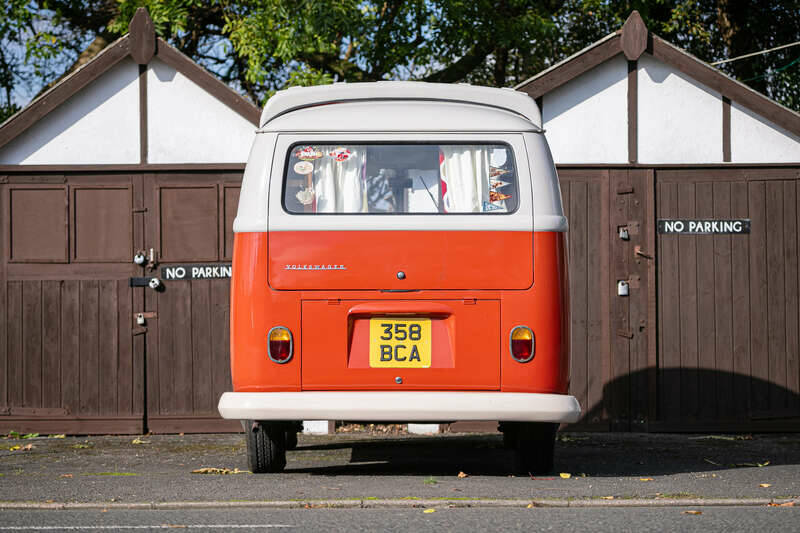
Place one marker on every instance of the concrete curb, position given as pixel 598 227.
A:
pixel 404 504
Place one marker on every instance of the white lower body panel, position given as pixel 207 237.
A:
pixel 401 406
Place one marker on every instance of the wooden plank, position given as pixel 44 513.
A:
pixel 579 302
pixel 619 384
pixel 70 346
pixel 791 215
pixel 125 367
pixel 688 290
pixel 740 290
pixel 107 342
pixel 181 294
pixel 14 362
pixel 51 344
pixel 73 425
pixel 759 325
pixel 88 355
pixel 202 390
pixel 669 308
pixel 776 296
pixel 165 371
pixel 597 287
pixel 220 338
pixel 723 305
pixel 638 301
pixel 704 205
pixel 649 228
pixel 32 343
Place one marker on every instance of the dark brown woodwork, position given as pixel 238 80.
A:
pixel 634 36
pixel 37 172
pixel 726 129
pixel 633 111
pixel 143 37
pixel 143 136
pixel 569 69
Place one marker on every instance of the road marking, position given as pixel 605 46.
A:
pixel 155 526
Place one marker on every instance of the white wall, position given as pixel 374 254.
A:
pixel 754 139
pixel 679 119
pixel 186 124
pixel 99 124
pixel 586 119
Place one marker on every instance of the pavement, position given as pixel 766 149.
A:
pixel 398 472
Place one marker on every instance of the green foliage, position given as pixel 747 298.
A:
pixel 260 46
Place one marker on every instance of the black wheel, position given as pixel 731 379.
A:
pixel 291 438
pixel 534 446
pixel 266 446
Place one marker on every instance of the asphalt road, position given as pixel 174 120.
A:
pixel 399 467
pixel 637 519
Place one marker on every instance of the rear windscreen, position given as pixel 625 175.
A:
pixel 400 178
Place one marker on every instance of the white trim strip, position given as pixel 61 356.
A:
pixel 405 406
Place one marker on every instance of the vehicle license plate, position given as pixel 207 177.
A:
pixel 399 343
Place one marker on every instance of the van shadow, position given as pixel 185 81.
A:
pixel 701 447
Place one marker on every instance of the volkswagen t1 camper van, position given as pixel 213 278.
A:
pixel 400 255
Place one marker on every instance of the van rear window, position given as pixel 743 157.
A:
pixel 400 178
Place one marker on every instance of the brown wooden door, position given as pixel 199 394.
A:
pixel 189 222
pixel 611 336
pixel 728 304
pixel 71 362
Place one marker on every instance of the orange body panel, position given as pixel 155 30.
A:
pixel 464 260
pixel 471 326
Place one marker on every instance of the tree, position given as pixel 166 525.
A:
pixel 259 46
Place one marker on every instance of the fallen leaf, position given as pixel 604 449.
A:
pixel 30 436
pixel 60 436
pixel 15 448
pixel 212 470
pixel 137 440
pixel 28 447
pixel 565 475
pixel 462 475
pixel 66 475
pixel 429 511
pixel 606 497
pixel 49 501
pixel 755 465
pixel 784 504
pixel 692 512
pixel 764 485
pixel 645 479
pixel 530 506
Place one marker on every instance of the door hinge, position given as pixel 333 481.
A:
pixel 624 188
pixel 139 210
pixel 625 333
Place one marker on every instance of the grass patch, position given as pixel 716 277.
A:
pixel 430 481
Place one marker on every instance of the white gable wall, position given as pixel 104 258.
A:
pixel 186 124
pixel 679 119
pixel 586 119
pixel 99 124
pixel 754 139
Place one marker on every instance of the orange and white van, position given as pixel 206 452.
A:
pixel 400 255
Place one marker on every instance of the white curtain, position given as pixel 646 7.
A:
pixel 338 185
pixel 464 171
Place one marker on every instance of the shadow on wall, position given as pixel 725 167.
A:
pixel 695 400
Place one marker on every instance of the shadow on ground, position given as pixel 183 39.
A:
pixel 592 454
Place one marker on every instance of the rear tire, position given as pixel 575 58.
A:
pixel 266 446
pixel 534 447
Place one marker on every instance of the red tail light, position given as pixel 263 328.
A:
pixel 522 344
pixel 279 344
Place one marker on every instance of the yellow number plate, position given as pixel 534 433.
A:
pixel 399 343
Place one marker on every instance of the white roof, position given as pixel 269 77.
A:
pixel 302 97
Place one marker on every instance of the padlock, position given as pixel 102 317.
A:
pixel 623 288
